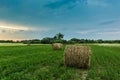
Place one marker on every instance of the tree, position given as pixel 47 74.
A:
pixel 47 40
pixel 59 36
pixel 75 40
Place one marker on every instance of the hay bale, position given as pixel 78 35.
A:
pixel 57 46
pixel 28 44
pixel 77 56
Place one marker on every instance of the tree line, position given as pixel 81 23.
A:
pixel 58 38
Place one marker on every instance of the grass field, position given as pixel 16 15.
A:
pixel 40 62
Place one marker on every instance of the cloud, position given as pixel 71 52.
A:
pixel 61 3
pixel 108 22
pixel 6 27
pixel 85 31
pixel 11 29
pixel 14 28
pixel 109 33
pixel 18 32
pixel 106 31
pixel 100 3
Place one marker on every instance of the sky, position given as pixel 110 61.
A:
pixel 36 19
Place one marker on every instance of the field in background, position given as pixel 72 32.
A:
pixel 40 62
pixel 17 44
pixel 11 44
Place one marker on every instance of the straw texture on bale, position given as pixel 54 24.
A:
pixel 57 46
pixel 77 56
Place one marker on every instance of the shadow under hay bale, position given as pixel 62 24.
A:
pixel 57 46
pixel 77 56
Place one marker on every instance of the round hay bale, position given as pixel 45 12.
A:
pixel 28 44
pixel 57 46
pixel 77 56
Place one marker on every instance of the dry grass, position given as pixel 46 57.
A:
pixel 77 56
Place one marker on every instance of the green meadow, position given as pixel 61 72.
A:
pixel 40 62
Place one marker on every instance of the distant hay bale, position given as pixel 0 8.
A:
pixel 28 44
pixel 77 56
pixel 57 46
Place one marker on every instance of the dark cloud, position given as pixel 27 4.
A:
pixel 61 3
pixel 108 22
pixel 3 31
pixel 9 3
pixel 21 30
